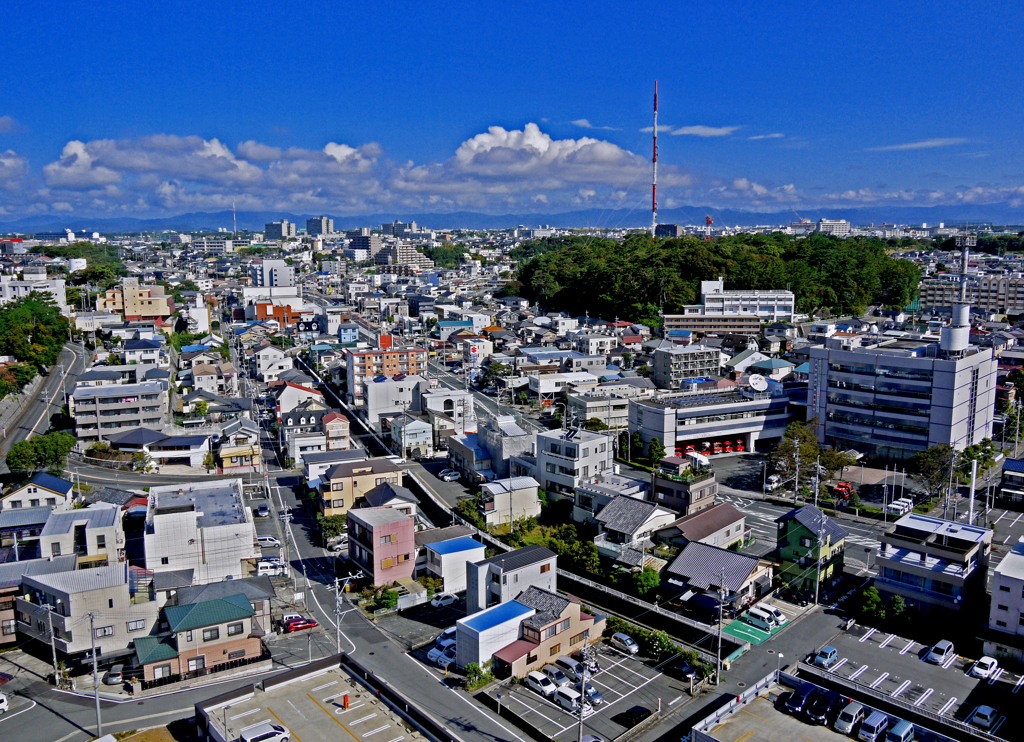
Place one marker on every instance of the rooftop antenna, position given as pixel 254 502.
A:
pixel 654 181
pixel 234 219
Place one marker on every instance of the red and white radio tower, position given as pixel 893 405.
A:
pixel 654 181
pixel 708 221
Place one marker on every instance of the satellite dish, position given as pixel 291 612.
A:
pixel 758 383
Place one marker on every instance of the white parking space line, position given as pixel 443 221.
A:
pixel 1000 517
pixel 675 700
pixel 879 680
pixel 365 718
pixel 1005 540
pixel 1020 682
pixel 325 685
pixel 924 697
pixel 885 644
pixel 949 661
pixel 995 676
pixel 839 664
pixel 245 713
pixel 606 686
pixel 531 708
pixel 378 729
pixel 253 726
pixel 903 687
pixel 397 739
pixel 907 648
pixel 297 710
pixel 995 727
pixel 867 636
pixel 949 704
pixel 1015 520
pixel 859 672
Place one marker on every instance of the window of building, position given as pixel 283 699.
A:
pixel 550 631
pixel 33 503
pixel 55 548
pixel 403 558
pixel 236 655
pixel 165 560
pixel 210 635
pixel 1003 608
pixel 235 628
pixel 110 602
pixel 579 637
pixel 137 625
pixel 387 563
pixel 51 501
pixel 1004 588
pixel 337 503
pixel 387 539
pixel 1001 623
pixel 196 663
pixel 564 626
pixel 805 541
pixel 104 631
pixel 162 671
pixel 555 650
pixel 101 542
pixel 545 568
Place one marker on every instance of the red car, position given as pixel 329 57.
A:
pixel 717 448
pixel 728 447
pixel 741 446
pixel 298 624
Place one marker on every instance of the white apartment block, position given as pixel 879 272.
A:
pixel 272 273
pixel 1006 613
pixel 768 306
pixel 11 290
pixel 206 527
pixel 836 227
pixel 567 457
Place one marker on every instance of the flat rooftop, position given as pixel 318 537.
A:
pixel 218 503
pixel 926 524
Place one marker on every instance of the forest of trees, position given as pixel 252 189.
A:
pixel 636 277
pixel 446 256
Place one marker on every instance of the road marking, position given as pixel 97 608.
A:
pixel 903 687
pixel 745 736
pixel 857 674
pixel 838 664
pixel 867 636
pixel 995 676
pixel 245 713
pixel 923 697
pixel 1016 519
pixel 947 707
pixel 283 724
pixel 7 716
pixel 949 661
pixel 879 680
pixel 755 716
pixel 1005 540
pixel 675 700
pixel 1020 682
pixel 378 729
pixel 1001 517
pixel 885 644
pixel 907 648
pixel 297 710
pixel 253 726
pixel 325 685
pixel 396 739
pixel 365 718
pixel 331 715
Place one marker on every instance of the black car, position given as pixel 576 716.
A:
pixel 825 707
pixel 633 716
pixel 800 699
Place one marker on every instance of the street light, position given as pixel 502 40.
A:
pixel 778 667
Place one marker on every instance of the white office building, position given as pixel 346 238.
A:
pixel 272 273
pixel 768 306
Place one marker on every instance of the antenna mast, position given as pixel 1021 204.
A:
pixel 654 181
pixel 234 219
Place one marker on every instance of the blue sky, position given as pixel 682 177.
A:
pixel 146 109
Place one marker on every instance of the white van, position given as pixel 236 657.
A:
pixel 778 615
pixel 572 668
pixel 271 569
pixel 570 700
pixel 761 619
pixel 901 506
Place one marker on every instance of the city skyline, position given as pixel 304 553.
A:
pixel 135 112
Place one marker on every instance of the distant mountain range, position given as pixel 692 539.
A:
pixel 1001 214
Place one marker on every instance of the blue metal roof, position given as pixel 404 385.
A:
pixel 499 614
pixel 1014 465
pixel 52 483
pixel 455 545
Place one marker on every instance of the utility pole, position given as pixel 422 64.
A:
pixel 95 675
pixel 817 582
pixel 585 655
pixel 721 603
pixel 796 478
pixel 53 643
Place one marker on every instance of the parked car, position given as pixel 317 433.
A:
pixel 448 633
pixel 338 546
pixel 984 717
pixel 443 599
pixel 624 643
pixel 985 668
pixel 772 483
pixel 447 657
pixel 941 652
pixel 4 704
pixel 592 694
pixel 799 699
pixel 851 715
pixel 115 676
pixel 440 648
pixel 780 617
pixel 266 733
pixel 299 624
pixel 633 716
pixel 448 475
pixel 826 657
pixel 555 675
pixel 825 707
pixel 268 541
pixel 263 511
pixel 541 683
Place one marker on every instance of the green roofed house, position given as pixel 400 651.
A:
pixel 202 637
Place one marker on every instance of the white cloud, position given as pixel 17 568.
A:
pixel 585 124
pixel 767 136
pixel 705 131
pixel 923 144
pixel 10 125
pixel 13 169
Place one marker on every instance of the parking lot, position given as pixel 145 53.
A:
pixel 745 632
pixel 417 627
pixel 761 721
pixel 895 666
pixel 624 681
pixel 314 709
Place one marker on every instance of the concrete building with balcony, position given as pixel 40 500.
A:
pixel 891 399
pixel 766 305
pixel 685 485
pixel 94 534
pixel 806 540
pixel 565 458
pixel 12 575
pixel 206 527
pixel 933 564
pixel 102 410
pixel 411 437
pixel 503 577
pixel 1011 488
pixel 136 302
pixel 118 618
pixel 389 360
pixel 344 485
pixel 1004 638
pixel 382 542
pixel 737 417
pixel 672 366
pixel 509 500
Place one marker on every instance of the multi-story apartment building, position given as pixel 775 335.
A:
pixel 388 359
pixel 94 534
pixel 767 306
pixel 360 244
pixel 501 578
pixel 138 303
pixel 512 499
pixel 934 563
pixel 836 227
pixel 102 410
pixel 1005 636
pixel 319 226
pixel 683 486
pixel 567 457
pixel 674 365
pixel 205 527
pixel 11 577
pixel 11 289
pixel 268 273
pixel 694 320
pixel 811 547
pixel 382 541
pixel 992 294
pixel 279 230
pixel 891 399
pixel 706 419
pixel 343 485
pixel 402 254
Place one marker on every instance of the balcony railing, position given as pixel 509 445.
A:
pixel 689 476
